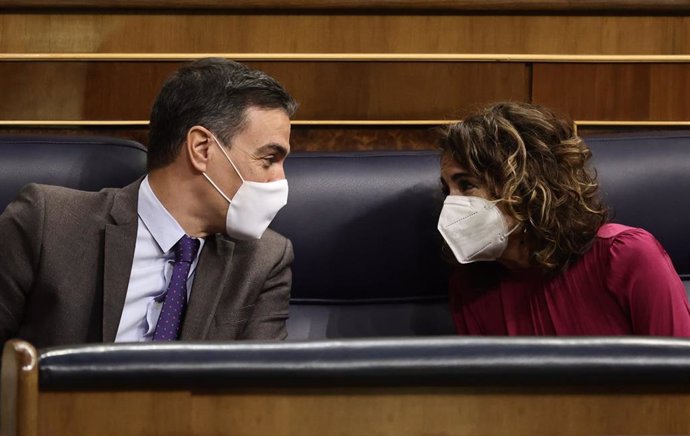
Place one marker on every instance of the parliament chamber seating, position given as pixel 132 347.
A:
pixel 367 252
pixel 81 162
pixel 369 282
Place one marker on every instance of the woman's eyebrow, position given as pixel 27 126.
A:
pixel 461 175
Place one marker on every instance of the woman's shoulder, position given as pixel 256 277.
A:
pixel 613 232
pixel 626 241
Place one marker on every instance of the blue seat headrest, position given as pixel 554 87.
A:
pixel 80 162
pixel 363 226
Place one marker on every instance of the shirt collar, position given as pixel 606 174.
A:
pixel 166 231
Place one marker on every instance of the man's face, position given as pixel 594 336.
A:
pixel 258 151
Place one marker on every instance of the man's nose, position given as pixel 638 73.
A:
pixel 278 173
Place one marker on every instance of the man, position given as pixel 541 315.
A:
pixel 181 254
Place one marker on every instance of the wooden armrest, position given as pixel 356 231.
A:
pixel 19 389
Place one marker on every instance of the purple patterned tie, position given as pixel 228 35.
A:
pixel 175 303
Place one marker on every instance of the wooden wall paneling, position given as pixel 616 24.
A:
pixel 40 93
pixel 397 90
pixel 353 138
pixel 403 411
pixel 243 32
pixel 670 92
pixel 631 92
pixel 325 90
pixel 115 413
pixel 79 90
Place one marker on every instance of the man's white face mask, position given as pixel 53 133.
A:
pixel 474 228
pixel 254 205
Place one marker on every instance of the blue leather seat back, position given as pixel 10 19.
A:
pixel 88 163
pixel 367 252
pixel 645 179
pixel 368 259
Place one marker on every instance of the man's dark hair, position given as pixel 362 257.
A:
pixel 214 93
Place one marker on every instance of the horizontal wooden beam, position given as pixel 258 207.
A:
pixel 341 57
pixel 580 6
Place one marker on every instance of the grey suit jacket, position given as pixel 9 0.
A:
pixel 66 258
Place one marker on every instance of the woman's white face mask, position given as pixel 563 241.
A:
pixel 253 206
pixel 474 228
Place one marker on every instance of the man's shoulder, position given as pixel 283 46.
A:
pixel 54 191
pixel 272 237
pixel 62 200
pixel 271 244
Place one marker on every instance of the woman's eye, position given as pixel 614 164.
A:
pixel 464 185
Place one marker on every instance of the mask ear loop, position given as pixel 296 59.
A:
pixel 509 232
pixel 217 188
pixel 512 230
pixel 226 156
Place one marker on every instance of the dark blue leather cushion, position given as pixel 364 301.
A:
pixel 363 226
pixel 81 162
pixel 645 179
pixel 364 230
pixel 367 252
pixel 449 361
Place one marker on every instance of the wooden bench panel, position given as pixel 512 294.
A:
pixel 74 90
pixel 615 91
pixel 403 411
pixel 163 31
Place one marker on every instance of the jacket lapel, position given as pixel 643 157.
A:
pixel 212 275
pixel 120 238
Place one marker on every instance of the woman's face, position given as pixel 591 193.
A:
pixel 457 181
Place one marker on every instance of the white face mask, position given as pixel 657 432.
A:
pixel 474 228
pixel 254 205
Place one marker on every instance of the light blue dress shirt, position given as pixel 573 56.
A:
pixel 152 267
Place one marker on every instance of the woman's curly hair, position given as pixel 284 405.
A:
pixel 535 162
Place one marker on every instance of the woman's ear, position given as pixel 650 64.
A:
pixel 197 146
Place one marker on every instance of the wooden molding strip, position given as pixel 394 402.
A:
pixel 327 123
pixel 145 123
pixel 400 123
pixel 72 123
pixel 582 6
pixel 343 57
pixel 591 123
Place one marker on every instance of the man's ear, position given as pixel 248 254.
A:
pixel 197 146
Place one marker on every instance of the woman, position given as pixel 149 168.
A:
pixel 522 203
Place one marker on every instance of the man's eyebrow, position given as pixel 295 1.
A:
pixel 273 148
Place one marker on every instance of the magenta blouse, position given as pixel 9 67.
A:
pixel 624 285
